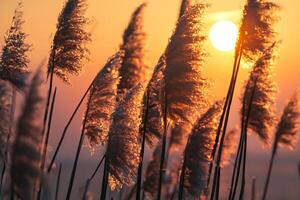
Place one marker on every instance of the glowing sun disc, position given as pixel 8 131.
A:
pixel 223 35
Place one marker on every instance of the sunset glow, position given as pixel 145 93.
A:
pixel 223 35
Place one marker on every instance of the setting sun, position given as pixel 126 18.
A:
pixel 223 35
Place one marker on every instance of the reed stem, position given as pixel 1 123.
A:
pixel 86 188
pixel 269 171
pixel 79 147
pixel 67 127
pixel 163 150
pixel 58 182
pixel 97 168
pixel 140 168
pixel 45 147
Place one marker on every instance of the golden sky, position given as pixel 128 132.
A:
pixel 109 19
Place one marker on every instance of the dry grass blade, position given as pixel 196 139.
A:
pixel 256 30
pixel 289 125
pixel 124 139
pixel 25 169
pixel 185 85
pixel 14 60
pixel 5 105
pixel 134 68
pixel 103 101
pixel 197 159
pixel 262 117
pixel 69 48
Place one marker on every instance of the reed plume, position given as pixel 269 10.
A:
pixel 103 101
pixel 69 48
pixel 154 121
pixel 25 169
pixel 262 116
pixel 286 132
pixel 14 60
pixel 185 85
pixel 152 174
pixel 256 32
pixel 124 139
pixel 134 68
pixel 229 147
pixel 5 105
pixel 289 125
pixel 185 4
pixel 198 152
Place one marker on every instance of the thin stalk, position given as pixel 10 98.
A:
pixel 67 127
pixel 269 171
pixel 175 189
pixel 49 91
pixel 58 182
pixel 163 150
pixel 44 149
pixel 182 174
pixel 243 149
pixel 140 168
pixel 221 124
pixel 225 123
pixel 105 176
pixel 79 147
pixel 253 188
pixel 97 168
pixel 86 188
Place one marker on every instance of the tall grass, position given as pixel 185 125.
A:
pixel 125 113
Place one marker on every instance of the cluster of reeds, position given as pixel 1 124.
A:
pixel 128 109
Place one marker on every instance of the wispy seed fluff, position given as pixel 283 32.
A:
pixel 152 174
pixel 5 105
pixel 289 125
pixel 124 139
pixel 185 85
pixel 198 152
pixel 103 101
pixel 25 169
pixel 134 68
pixel 14 60
pixel 262 116
pixel 229 147
pixel 154 119
pixel 69 48
pixel 257 31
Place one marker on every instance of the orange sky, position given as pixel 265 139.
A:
pixel 110 17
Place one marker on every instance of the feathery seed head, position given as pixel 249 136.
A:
pixel 185 4
pixel 229 147
pixel 135 67
pixel 5 105
pixel 124 139
pixel 25 170
pixel 14 60
pixel 289 125
pixel 256 30
pixel 69 48
pixel 185 86
pixel 103 101
pixel 154 123
pixel 198 152
pixel 262 115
